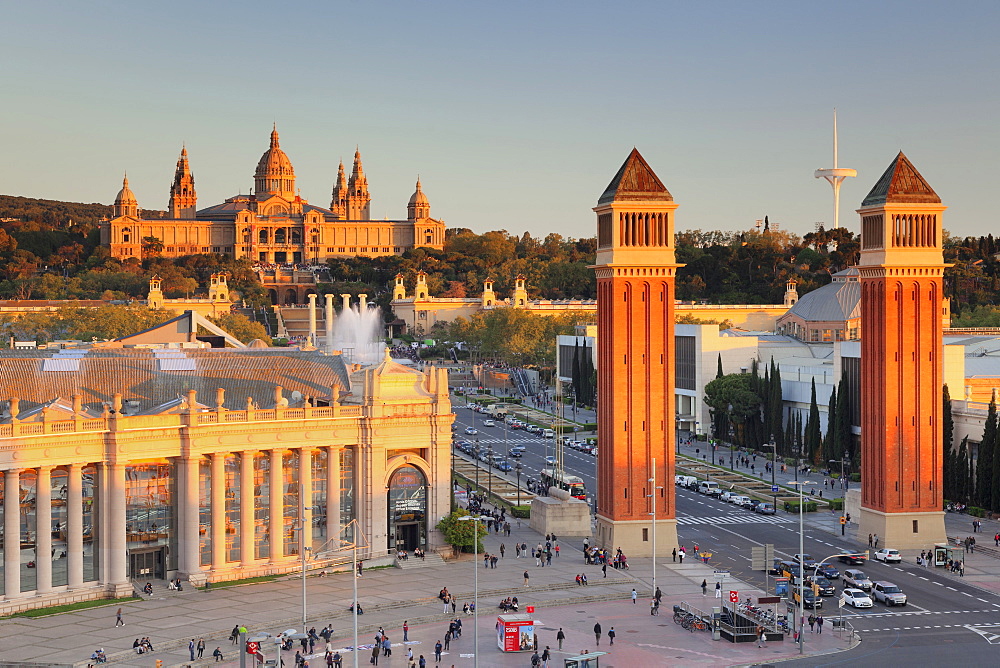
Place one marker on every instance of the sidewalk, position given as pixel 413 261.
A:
pixel 390 596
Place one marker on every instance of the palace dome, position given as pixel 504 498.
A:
pixel 274 175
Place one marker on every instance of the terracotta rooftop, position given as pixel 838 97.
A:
pixel 901 184
pixel 635 181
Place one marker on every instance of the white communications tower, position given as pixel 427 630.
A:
pixel 835 176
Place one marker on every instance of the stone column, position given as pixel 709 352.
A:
pixel 248 526
pixel 116 550
pixel 74 526
pixel 333 521
pixel 43 529
pixel 219 510
pixel 189 538
pixel 12 532
pixel 275 507
pixel 312 319
pixel 328 322
pixel 305 497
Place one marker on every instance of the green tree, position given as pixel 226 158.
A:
pixel 845 436
pixel 733 396
pixel 461 534
pixel 241 327
pixel 832 448
pixel 813 438
pixel 985 458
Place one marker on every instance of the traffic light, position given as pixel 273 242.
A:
pixel 815 588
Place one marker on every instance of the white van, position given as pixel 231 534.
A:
pixel 709 487
pixel 684 480
pixel 548 433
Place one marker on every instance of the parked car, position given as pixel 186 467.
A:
pixel 752 506
pixel 856 598
pixel 828 571
pixel 888 593
pixel 709 487
pixel 739 499
pixel 888 555
pixel 766 508
pixel 726 495
pixel 489 423
pixel 505 466
pixel 857 579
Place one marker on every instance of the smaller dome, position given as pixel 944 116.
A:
pixel 418 197
pixel 257 343
pixel 125 195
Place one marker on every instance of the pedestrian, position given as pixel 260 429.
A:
pixel 386 647
pixel 996 539
pixel 454 603
pixel 674 552
pixel 118 619
pixel 217 654
pixel 502 548
pixel 235 634
pixel 819 623
pixel 201 647
pixel 635 595
pixel 704 587
pixel 869 540
pixel 658 595
pixel 546 656
pixel 437 651
pixel 876 542
pixel 338 661
pixel 604 568
pixel 681 556
pixel 526 576
pixel 560 636
pixel 422 663
pixel 374 659
pixel 812 623
pixel 718 590
pixel 597 633
pixel 761 637
pixel 406 630
pixel 611 635
pixel 191 648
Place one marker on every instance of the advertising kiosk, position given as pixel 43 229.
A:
pixel 516 633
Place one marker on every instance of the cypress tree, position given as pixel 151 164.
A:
pixel 589 375
pixel 831 447
pixel 813 433
pixel 719 374
pixel 994 491
pixel 963 481
pixel 985 459
pixel 845 437
pixel 776 407
pixel 789 437
pixel 948 421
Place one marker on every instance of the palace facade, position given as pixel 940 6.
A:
pixel 121 466
pixel 273 224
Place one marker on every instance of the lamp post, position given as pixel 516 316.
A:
pixel 302 551
pixel 802 568
pixel 517 467
pixel 489 464
pixel 652 495
pixel 475 519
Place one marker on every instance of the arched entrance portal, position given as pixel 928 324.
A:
pixel 407 509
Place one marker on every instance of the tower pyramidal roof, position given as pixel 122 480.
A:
pixel 901 183
pixel 635 181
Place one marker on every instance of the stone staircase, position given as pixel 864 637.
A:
pixel 430 559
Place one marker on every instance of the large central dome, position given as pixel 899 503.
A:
pixel 274 175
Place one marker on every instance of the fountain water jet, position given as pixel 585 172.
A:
pixel 358 332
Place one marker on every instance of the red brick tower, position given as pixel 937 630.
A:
pixel 635 344
pixel 901 270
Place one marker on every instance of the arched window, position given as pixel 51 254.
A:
pixel 262 236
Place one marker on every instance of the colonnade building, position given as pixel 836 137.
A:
pixel 119 466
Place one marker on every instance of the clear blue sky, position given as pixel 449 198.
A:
pixel 515 114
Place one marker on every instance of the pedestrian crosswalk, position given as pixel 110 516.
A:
pixel 736 518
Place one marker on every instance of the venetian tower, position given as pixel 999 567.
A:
pixel 358 199
pixel 635 342
pixel 183 198
pixel 901 269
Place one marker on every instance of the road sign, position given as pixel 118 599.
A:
pixel 843 520
pixel 774 488
pixel 765 600
pixel 531 609
pixel 721 576
pixel 734 596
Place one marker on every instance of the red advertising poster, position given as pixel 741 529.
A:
pixel 253 647
pixel 515 633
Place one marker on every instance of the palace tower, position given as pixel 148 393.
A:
pixel 901 270
pixel 635 333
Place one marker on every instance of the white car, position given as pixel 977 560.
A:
pixel 856 598
pixel 887 555
pixel 489 423
pixel 726 495
pixel 471 431
pixel 550 460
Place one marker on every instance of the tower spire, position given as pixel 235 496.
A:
pixel 358 198
pixel 835 176
pixel 183 198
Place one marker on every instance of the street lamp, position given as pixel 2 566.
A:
pixel 475 519
pixel 843 480
pixel 517 467
pixel 302 551
pixel 652 494
pixel 802 567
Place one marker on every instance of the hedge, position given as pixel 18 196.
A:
pixel 836 504
pixel 976 511
pixel 855 477
pixel 793 506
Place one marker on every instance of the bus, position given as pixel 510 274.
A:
pixel 571 483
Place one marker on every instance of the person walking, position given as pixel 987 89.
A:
pixel 235 634
pixel 546 657
pixel 635 595
pixel 876 542
pixel 560 636
pixel 704 588
pixel 502 548
pixel 761 637
pixel 437 651
pixel 597 633
pixel 819 623
pixel 680 555
pixel 869 540
pixel 812 623
pixel 604 568
pixel 375 651
pixel 674 554
pixel 611 635
pixel 526 576
pixel 718 590
pixel 118 619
